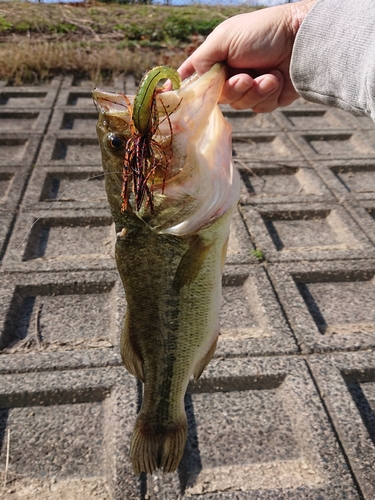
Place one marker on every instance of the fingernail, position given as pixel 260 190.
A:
pixel 267 85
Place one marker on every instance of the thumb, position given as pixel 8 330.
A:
pixel 186 69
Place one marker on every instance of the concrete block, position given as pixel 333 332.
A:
pixel 257 427
pixel 257 430
pixel 27 98
pixel 67 81
pixel 79 97
pixel 271 146
pixel 345 144
pixel 65 188
pixel 61 240
pixel 20 121
pixel 69 434
pixel 298 232
pixel 60 313
pixel 251 320
pixel 293 118
pixel 347 385
pixel 240 246
pixel 329 305
pixel 369 134
pixel 130 84
pixel 12 183
pixel 349 179
pixel 74 121
pixel 19 149
pixel 5 229
pixel 303 104
pixel 280 182
pixel 247 121
pixel 58 188
pixel 76 81
pixel 70 149
pixel 364 214
pixel 49 360
pixel 363 122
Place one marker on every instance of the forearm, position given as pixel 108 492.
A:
pixel 333 60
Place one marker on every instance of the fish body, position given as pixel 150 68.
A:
pixel 170 260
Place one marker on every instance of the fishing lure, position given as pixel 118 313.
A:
pixel 143 154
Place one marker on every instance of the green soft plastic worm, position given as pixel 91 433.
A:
pixel 144 98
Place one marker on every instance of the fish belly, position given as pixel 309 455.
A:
pixel 173 293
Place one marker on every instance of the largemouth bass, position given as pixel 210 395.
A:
pixel 172 224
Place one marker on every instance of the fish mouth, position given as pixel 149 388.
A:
pixel 112 103
pixel 199 182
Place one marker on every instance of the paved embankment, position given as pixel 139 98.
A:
pixel 286 410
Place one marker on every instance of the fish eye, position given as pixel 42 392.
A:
pixel 116 142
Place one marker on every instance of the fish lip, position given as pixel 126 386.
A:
pixel 95 97
pixel 111 102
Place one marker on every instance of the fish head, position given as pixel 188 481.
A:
pixel 190 179
pixel 114 111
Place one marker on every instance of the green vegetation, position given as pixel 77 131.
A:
pixel 4 24
pixel 258 254
pixel 99 40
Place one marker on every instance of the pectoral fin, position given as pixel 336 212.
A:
pixel 191 263
pixel 201 365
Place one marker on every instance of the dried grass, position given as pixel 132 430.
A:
pixel 40 61
pixel 100 41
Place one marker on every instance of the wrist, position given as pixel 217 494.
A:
pixel 298 13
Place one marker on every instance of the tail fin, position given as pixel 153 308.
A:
pixel 152 449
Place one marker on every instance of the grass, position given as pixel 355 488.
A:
pixel 39 62
pixel 258 254
pixel 38 41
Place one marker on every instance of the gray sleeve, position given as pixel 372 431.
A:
pixel 333 60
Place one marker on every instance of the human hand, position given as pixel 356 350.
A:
pixel 257 49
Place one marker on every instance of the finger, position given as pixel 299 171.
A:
pixel 283 96
pixel 235 88
pixel 262 88
pixel 186 69
pixel 271 100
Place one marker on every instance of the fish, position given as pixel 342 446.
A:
pixel 172 208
